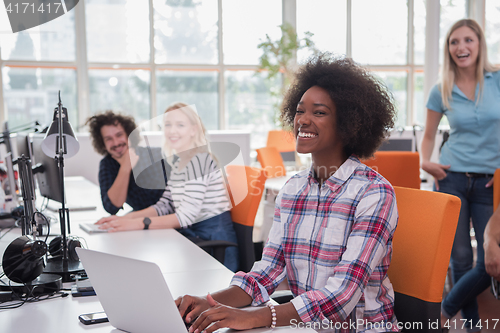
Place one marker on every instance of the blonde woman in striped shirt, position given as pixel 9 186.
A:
pixel 195 201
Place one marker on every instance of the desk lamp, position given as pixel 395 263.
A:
pixel 60 140
pixel 23 260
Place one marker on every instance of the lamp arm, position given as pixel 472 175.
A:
pixel 60 161
pixel 25 127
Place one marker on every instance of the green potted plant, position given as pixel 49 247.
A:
pixel 278 57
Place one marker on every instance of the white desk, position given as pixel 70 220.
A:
pixel 183 275
pixel 186 267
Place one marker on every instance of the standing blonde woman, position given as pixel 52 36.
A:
pixel 469 95
pixel 195 201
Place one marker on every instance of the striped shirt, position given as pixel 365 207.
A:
pixel 197 191
pixel 333 243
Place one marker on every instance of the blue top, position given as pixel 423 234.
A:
pixel 137 197
pixel 474 142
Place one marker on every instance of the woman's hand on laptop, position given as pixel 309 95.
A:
pixel 220 316
pixel 190 307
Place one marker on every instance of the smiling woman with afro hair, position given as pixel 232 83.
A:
pixel 364 107
pixel 333 223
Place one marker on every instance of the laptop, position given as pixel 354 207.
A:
pixel 91 228
pixel 136 298
pixel 133 293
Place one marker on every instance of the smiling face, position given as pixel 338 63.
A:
pixel 463 46
pixel 115 140
pixel 178 130
pixel 315 125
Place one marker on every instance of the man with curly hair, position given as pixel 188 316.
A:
pixel 333 224
pixel 110 134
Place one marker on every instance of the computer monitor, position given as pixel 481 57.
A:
pixel 5 137
pixel 46 170
pixel 23 145
pixel 11 181
pixel 399 144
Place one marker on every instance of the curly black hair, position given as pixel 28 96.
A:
pixel 109 118
pixel 365 108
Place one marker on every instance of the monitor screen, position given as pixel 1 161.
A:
pixel 399 144
pixel 23 145
pixel 10 188
pixel 47 171
pixel 5 137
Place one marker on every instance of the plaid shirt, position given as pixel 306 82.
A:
pixel 333 243
pixel 137 197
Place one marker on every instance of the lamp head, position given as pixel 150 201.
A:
pixel 50 145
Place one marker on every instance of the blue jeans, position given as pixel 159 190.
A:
pixel 468 282
pixel 219 227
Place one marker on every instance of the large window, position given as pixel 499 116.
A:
pixel 451 11
pixel 52 41
pixel 45 57
pixel 125 91
pixel 419 18
pixel 492 30
pixel 127 56
pixel 387 57
pixel 32 93
pixel 193 87
pixel 245 23
pixel 396 82
pixel 385 45
pixel 249 104
pixel 186 32
pixel 117 31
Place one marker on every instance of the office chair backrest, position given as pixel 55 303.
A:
pixel 246 185
pixel 496 189
pixel 270 159
pixel 421 252
pixel 400 168
pixel 284 141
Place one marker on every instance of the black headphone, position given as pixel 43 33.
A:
pixel 55 247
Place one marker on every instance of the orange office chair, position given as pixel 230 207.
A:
pixel 245 188
pixel 400 168
pixel 496 189
pixel 284 141
pixel 271 161
pixel 421 253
